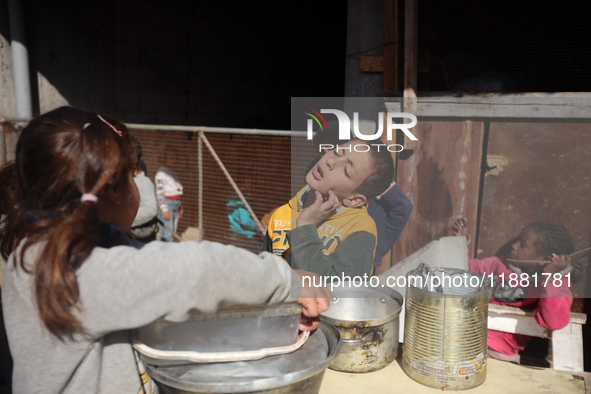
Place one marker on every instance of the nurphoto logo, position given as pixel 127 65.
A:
pixel 345 128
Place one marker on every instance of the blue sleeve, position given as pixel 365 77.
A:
pixel 391 214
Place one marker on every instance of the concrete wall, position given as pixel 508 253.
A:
pixel 365 37
pixel 142 61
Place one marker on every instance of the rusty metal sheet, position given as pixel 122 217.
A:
pixel 441 178
pixel 544 175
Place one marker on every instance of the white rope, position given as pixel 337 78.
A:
pixel 198 357
pixel 227 174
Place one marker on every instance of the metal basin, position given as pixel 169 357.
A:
pixel 367 319
pixel 298 372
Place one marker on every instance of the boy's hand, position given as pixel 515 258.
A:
pixel 314 300
pixel 558 264
pixel 459 227
pixel 319 210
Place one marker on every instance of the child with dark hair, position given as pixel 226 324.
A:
pixel 541 251
pixel 390 209
pixel 145 224
pixel 326 227
pixel 74 287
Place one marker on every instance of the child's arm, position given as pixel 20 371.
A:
pixel 352 257
pixel 553 311
pixel 398 209
pixel 123 288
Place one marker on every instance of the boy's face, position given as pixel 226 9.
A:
pixel 341 171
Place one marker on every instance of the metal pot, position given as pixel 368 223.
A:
pixel 298 372
pixel 367 319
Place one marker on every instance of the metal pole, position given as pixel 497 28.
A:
pixel 200 202
pixel 20 61
pixel 223 130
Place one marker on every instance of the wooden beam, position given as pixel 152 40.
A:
pixel 410 64
pixel 398 47
pixel 389 81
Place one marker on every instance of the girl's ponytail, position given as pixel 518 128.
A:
pixel 60 157
pixel 69 243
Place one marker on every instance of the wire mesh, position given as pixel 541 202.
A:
pixel 261 166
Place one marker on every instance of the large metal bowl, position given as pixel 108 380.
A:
pixel 298 372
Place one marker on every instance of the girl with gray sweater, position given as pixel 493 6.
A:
pixel 74 287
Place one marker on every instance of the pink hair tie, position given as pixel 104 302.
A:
pixel 89 197
pixel 110 125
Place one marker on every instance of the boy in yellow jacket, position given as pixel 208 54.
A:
pixel 325 228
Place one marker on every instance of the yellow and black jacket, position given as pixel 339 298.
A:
pixel 344 244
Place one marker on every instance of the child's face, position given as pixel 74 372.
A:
pixel 525 248
pixel 341 171
pixel 120 205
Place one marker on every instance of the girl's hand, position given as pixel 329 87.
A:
pixel 319 210
pixel 459 227
pixel 558 264
pixel 166 215
pixel 314 300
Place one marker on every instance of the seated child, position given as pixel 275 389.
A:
pixel 169 191
pixel 551 299
pixel 326 227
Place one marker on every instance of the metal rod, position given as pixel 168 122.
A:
pixel 223 130
pixel 200 202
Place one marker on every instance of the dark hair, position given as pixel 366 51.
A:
pixel 552 238
pixel 9 198
pixel 60 156
pixel 138 149
pixel 382 173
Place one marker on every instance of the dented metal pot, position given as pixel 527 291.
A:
pixel 367 319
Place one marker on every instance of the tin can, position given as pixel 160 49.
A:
pixel 446 314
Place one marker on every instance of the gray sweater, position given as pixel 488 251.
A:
pixel 122 288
